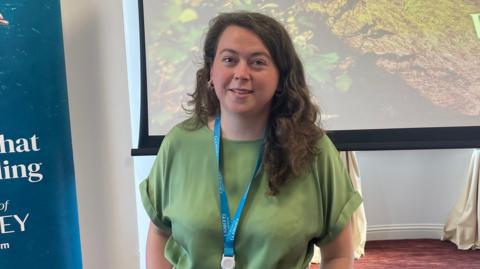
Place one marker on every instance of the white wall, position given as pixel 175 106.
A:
pixel 409 194
pixel 100 121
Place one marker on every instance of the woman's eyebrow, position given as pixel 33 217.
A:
pixel 228 50
pixel 261 53
pixel 258 53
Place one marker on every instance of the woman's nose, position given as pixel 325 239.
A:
pixel 241 72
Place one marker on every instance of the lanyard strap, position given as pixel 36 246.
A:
pixel 230 226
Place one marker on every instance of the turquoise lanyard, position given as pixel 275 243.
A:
pixel 230 226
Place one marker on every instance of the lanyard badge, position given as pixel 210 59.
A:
pixel 229 226
pixel 227 262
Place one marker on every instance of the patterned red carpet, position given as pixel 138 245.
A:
pixel 416 254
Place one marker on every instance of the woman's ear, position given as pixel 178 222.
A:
pixel 210 85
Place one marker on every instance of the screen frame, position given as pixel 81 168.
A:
pixel 344 140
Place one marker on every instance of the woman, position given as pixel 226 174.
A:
pixel 249 181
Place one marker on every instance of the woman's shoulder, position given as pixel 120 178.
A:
pixel 181 136
pixel 186 130
pixel 327 153
pixel 325 144
pixel 185 127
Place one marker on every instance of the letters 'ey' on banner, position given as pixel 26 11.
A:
pixel 38 205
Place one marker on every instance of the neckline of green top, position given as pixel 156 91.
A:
pixel 232 141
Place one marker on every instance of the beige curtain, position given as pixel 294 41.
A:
pixel 463 224
pixel 359 221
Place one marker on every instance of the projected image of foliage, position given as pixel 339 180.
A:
pixel 175 49
pixel 428 46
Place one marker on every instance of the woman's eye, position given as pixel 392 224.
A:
pixel 227 60
pixel 259 62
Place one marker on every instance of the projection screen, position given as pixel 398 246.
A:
pixel 385 74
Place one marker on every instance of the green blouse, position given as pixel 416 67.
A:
pixel 180 196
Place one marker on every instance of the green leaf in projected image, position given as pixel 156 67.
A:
pixel 319 67
pixel 188 15
pixel 410 5
pixel 172 54
pixel 169 13
pixel 343 83
pixel 187 35
pixel 175 50
pixel 269 6
pixel 246 2
pixel 329 58
pixel 195 35
pixel 306 22
pixel 161 118
pixel 243 5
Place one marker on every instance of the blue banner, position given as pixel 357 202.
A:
pixel 38 210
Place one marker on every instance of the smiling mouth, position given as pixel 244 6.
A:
pixel 241 91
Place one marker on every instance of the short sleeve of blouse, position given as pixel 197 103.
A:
pixel 153 188
pixel 338 200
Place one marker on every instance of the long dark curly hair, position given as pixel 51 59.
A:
pixel 292 132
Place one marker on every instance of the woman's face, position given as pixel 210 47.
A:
pixel 243 73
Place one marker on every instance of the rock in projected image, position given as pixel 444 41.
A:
pixel 432 45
